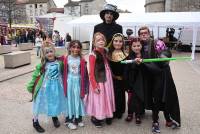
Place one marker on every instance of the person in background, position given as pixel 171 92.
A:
pixel 38 44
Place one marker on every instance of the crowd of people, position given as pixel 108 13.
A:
pixel 65 85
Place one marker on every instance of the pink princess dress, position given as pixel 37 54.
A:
pixel 102 105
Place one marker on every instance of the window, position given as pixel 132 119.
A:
pixel 41 12
pixel 35 5
pixel 31 13
pixel 40 5
pixel 30 6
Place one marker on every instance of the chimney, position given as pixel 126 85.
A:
pixel 69 1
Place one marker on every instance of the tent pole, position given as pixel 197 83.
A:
pixel 91 36
pixel 194 41
pixel 135 31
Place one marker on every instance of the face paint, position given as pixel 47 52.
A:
pixel 49 54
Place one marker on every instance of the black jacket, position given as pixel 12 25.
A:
pixel 108 30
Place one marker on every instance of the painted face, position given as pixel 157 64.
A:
pixel 144 35
pixel 118 43
pixel 108 17
pixel 136 47
pixel 50 54
pixel 99 41
pixel 75 49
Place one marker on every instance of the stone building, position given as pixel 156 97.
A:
pixel 37 7
pixel 83 7
pixel 172 5
pixel 12 12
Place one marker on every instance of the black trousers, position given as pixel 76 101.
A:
pixel 135 105
pixel 120 100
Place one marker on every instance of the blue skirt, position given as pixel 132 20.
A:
pixel 50 99
pixel 74 103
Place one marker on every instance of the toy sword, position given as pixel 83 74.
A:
pixel 157 60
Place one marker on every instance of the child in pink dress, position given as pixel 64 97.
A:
pixel 100 103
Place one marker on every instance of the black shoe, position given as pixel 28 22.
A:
pixel 96 122
pixel 117 115
pixel 108 121
pixel 56 122
pixel 138 121
pixel 129 118
pixel 37 127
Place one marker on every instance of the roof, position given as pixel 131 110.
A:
pixel 52 15
pixel 86 0
pixel 36 1
pixel 149 19
pixel 56 10
pixel 72 3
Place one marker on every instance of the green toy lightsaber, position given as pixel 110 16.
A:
pixel 157 60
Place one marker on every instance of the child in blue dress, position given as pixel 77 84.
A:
pixel 75 80
pixel 47 88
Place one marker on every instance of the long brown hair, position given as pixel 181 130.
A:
pixel 111 47
pixel 72 43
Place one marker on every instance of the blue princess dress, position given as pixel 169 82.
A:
pixel 75 106
pixel 50 99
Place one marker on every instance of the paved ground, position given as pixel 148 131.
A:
pixel 15 108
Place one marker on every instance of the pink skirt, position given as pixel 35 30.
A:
pixel 101 105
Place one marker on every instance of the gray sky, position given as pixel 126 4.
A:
pixel 131 5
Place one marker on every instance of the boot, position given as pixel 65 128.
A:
pixel 37 127
pixel 56 122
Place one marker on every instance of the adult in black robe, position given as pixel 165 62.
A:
pixel 109 27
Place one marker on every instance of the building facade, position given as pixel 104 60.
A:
pixel 83 7
pixel 24 11
pixel 172 5
pixel 11 12
pixel 37 7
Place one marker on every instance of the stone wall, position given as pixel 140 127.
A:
pixel 172 5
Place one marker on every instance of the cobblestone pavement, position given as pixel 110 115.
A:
pixel 16 115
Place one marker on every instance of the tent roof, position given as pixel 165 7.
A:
pixel 149 19
pixel 52 15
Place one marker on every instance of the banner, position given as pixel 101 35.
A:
pixel 45 24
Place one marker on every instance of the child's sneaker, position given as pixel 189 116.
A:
pixel 168 124
pixel 72 126
pixel 81 124
pixel 67 121
pixel 155 128
pixel 172 124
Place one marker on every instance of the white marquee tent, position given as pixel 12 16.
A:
pixel 82 28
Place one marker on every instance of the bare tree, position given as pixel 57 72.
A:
pixel 12 11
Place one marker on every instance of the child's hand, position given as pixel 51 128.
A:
pixel 97 91
pixel 138 60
